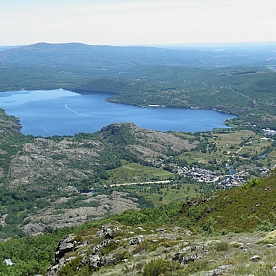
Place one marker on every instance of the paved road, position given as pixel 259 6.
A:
pixel 141 183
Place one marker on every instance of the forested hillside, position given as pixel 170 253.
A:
pixel 238 80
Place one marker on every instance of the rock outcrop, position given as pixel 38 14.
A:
pixel 124 250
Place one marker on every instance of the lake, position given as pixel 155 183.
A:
pixel 61 112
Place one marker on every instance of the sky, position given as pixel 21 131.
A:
pixel 136 22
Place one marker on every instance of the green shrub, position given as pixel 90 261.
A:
pixel 269 238
pixel 121 255
pixel 266 224
pixel 207 228
pixel 71 269
pixel 222 246
pixel 143 246
pixel 159 266
pixel 223 232
pixel 112 245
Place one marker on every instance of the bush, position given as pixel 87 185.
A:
pixel 222 246
pixel 141 247
pixel 207 228
pixel 159 266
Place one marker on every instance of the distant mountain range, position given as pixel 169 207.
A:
pixel 4 48
pixel 205 55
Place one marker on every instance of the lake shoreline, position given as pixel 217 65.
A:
pixel 48 113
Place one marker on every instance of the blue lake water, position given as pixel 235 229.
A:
pixel 62 112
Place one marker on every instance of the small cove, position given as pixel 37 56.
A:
pixel 61 112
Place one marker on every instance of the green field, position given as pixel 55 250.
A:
pixel 234 148
pixel 125 177
pixel 134 172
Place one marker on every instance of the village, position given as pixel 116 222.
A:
pixel 208 176
pixel 268 131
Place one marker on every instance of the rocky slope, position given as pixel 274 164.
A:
pixel 153 242
pixel 94 208
pixel 74 158
pixel 116 249
pixel 44 179
pixel 211 248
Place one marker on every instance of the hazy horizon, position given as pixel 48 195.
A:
pixel 133 22
pixel 151 45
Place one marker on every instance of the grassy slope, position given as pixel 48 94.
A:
pixel 241 209
pixel 229 208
